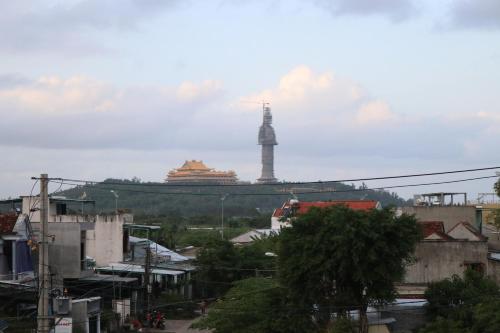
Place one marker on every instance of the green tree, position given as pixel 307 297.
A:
pixel 442 325
pixel 220 263
pixel 494 220
pixel 497 187
pixel 169 235
pixel 216 267
pixel 344 325
pixel 487 317
pixel 253 305
pixel 337 259
pixel 467 303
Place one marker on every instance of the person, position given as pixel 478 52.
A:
pixel 149 320
pixel 203 307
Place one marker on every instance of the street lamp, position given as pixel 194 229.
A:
pixel 222 214
pixel 116 201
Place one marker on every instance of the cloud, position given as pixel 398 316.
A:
pixel 315 114
pixel 83 113
pixel 319 99
pixel 323 114
pixel 395 10
pixel 52 26
pixel 480 14
pixel 375 112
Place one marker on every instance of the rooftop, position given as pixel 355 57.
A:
pixel 301 207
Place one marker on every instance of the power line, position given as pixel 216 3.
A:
pixel 282 183
pixel 381 188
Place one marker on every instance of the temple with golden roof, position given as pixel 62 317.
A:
pixel 196 172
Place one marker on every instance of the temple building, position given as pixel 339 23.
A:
pixel 196 172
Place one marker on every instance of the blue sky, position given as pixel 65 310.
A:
pixel 97 89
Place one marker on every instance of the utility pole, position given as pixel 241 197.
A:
pixel 222 214
pixel 147 273
pixel 43 258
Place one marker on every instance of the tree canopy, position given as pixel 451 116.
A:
pixel 253 305
pixel 220 263
pixel 463 305
pixel 337 259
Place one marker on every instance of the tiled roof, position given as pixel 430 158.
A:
pixel 431 227
pixel 7 222
pixel 303 207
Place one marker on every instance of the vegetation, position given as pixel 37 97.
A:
pixel 204 202
pixel 494 220
pixel 467 305
pixel 220 263
pixel 338 259
pixel 333 260
pixel 252 305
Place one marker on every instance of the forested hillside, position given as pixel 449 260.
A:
pixel 154 199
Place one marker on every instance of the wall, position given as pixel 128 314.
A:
pixel 105 242
pixel 494 270
pixel 64 251
pixel 449 215
pixel 437 260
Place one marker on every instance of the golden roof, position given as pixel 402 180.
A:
pixel 193 165
pixel 197 171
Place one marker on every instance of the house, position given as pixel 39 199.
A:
pixel 282 217
pixel 15 252
pixel 78 239
pixel 441 254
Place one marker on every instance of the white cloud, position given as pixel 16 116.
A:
pixel 375 112
pixel 320 99
pixel 52 94
pixel 81 112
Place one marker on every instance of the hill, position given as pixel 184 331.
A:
pixel 159 199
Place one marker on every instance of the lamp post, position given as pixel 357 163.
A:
pixel 222 198
pixel 116 201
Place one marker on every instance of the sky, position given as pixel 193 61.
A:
pixel 94 89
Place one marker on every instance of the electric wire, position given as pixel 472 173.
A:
pixel 286 183
pixel 103 186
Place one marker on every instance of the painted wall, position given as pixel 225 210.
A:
pixel 437 260
pixel 64 249
pixel 449 215
pixel 105 242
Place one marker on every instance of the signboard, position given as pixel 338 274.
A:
pixel 64 325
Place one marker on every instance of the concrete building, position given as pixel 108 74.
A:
pixel 443 253
pixel 77 242
pixel 448 215
pixel 196 172
pixel 267 139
